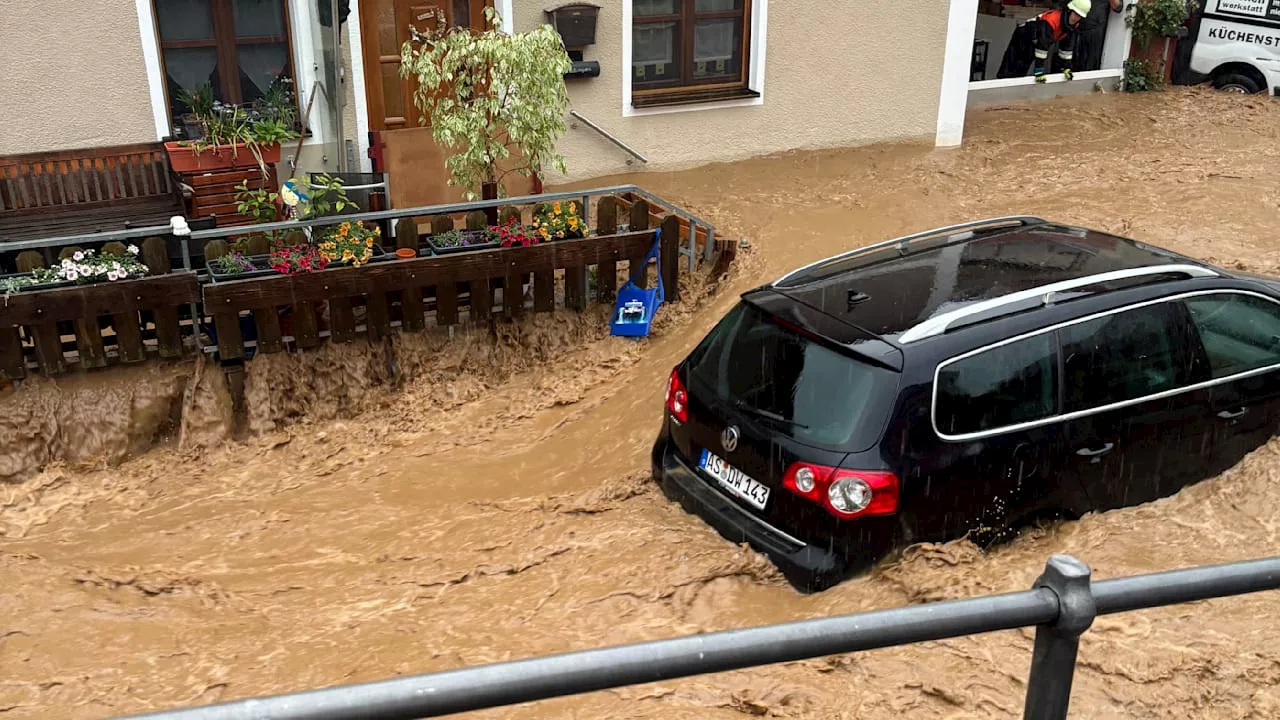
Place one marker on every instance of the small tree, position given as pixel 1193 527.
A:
pixel 488 96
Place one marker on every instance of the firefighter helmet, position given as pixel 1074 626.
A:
pixel 1080 7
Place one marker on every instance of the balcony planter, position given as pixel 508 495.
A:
pixel 184 158
pixel 36 287
pixel 261 265
pixel 458 241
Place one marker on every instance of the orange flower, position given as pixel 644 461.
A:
pixel 555 207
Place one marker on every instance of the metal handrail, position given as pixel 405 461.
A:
pixel 609 136
pixel 451 208
pixel 1062 604
pixel 904 242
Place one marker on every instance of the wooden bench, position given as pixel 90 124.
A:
pixel 75 192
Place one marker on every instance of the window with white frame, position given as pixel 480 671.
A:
pixel 690 51
pixel 240 49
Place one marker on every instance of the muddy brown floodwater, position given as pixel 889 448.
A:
pixel 495 515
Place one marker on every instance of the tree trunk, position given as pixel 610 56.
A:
pixel 489 191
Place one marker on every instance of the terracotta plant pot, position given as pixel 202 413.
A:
pixel 184 159
pixel 406 253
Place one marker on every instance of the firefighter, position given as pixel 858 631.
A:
pixel 1029 47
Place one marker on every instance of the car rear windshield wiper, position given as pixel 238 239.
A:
pixel 768 415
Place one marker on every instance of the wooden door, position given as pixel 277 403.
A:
pixel 414 162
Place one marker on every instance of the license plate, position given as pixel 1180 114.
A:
pixel 734 480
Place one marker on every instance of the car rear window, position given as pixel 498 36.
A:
pixel 815 394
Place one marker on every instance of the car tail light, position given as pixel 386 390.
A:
pixel 677 397
pixel 844 493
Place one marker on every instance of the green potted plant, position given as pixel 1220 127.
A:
pixel 491 98
pixel 234 136
pixel 199 103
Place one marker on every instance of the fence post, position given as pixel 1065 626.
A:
pixel 1053 660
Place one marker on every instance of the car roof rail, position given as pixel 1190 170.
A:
pixel 939 324
pixel 903 243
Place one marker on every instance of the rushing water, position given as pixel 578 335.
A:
pixel 498 505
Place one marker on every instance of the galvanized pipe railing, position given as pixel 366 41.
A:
pixel 1062 604
pixel 419 211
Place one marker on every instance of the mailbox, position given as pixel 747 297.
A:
pixel 576 23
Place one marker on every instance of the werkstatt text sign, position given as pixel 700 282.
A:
pixel 1262 9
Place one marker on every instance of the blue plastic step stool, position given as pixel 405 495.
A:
pixel 633 313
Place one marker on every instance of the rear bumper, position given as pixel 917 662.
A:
pixel 806 566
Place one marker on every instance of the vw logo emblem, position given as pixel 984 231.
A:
pixel 729 438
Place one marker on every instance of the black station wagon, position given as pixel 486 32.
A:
pixel 965 381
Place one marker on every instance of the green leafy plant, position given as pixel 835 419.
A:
pixel 1151 19
pixel 199 100
pixel 328 196
pixel 15 284
pixel 463 238
pixel 233 263
pixel 490 98
pixel 1141 75
pixel 270 121
pixel 258 203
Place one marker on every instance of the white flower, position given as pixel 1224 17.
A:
pixel 133 249
pixel 71 275
pixel 78 256
pixel 66 262
pixel 116 266
pixel 111 275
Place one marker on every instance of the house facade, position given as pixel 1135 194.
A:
pixel 680 83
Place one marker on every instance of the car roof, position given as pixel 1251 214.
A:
pixel 894 288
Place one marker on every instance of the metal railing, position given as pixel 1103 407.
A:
pixel 610 137
pixel 419 211
pixel 1062 604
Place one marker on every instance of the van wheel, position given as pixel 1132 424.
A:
pixel 1237 83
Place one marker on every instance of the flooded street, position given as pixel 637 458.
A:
pixel 499 506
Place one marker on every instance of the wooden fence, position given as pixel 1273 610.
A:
pixel 122 322
pixel 94 325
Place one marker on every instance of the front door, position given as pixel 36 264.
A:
pixel 1240 334
pixel 414 163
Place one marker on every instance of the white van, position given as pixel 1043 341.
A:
pixel 1237 46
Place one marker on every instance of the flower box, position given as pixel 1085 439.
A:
pixel 184 158
pixel 470 240
pixel 261 268
pixel 33 287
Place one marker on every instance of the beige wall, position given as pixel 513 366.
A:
pixel 837 73
pixel 71 76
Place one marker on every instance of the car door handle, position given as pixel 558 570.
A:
pixel 1233 414
pixel 1096 452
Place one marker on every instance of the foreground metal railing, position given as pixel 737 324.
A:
pixel 1062 604
pixel 693 221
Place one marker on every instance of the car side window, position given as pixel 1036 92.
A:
pixel 1239 332
pixel 1003 386
pixel 1122 356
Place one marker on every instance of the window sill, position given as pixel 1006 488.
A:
pixel 678 99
